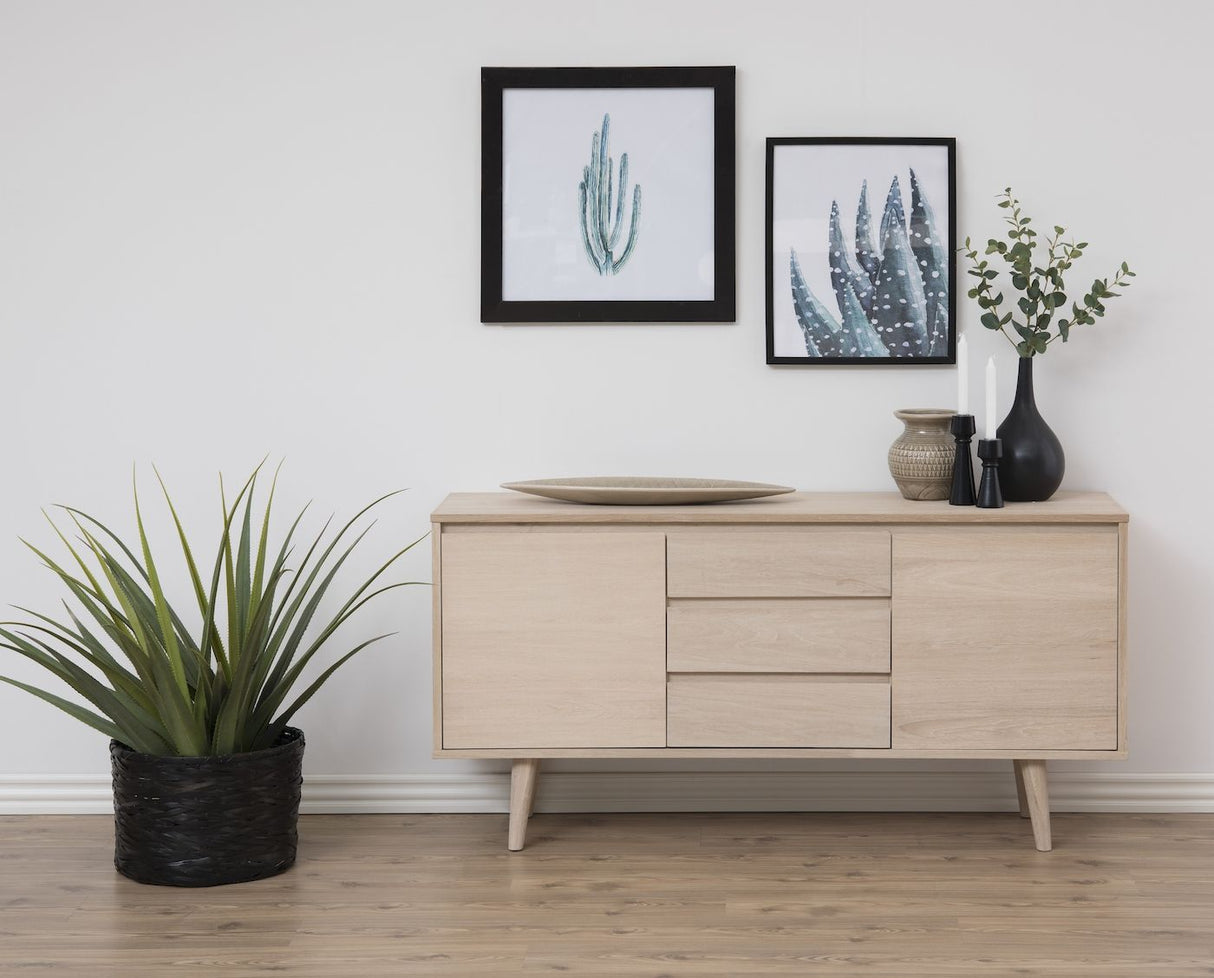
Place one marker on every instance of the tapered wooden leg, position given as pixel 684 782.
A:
pixel 1037 796
pixel 1020 795
pixel 523 775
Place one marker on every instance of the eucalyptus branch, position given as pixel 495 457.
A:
pixel 1043 289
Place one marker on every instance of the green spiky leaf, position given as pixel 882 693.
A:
pixel 183 691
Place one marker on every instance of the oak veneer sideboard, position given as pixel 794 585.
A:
pixel 804 625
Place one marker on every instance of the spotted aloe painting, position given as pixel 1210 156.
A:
pixel 876 289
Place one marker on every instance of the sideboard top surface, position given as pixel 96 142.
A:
pixel 797 507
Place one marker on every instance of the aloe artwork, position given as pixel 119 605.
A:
pixel 892 294
pixel 601 216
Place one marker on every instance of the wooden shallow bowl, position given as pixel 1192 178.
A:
pixel 645 490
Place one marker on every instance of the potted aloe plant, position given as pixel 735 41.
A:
pixel 206 766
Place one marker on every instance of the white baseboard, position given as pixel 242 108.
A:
pixel 680 791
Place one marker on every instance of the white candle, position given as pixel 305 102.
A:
pixel 990 398
pixel 963 377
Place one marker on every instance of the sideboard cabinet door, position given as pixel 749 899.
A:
pixel 553 639
pixel 1005 638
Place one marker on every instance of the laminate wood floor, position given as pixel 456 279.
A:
pixel 1122 896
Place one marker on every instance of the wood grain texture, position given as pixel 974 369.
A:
pixel 436 543
pixel 797 507
pixel 1076 508
pixel 1031 779
pixel 599 896
pixel 1005 637
pixel 706 710
pixel 1123 603
pixel 554 640
pixel 789 753
pixel 1022 799
pixel 778 635
pixel 778 563
pixel 524 775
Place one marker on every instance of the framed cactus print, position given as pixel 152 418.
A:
pixel 607 195
pixel 861 246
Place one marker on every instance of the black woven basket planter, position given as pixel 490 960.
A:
pixel 203 821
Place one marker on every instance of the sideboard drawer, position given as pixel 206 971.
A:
pixel 778 635
pixel 776 711
pixel 778 563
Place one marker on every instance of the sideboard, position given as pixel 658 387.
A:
pixel 804 625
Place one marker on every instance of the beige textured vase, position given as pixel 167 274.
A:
pixel 921 458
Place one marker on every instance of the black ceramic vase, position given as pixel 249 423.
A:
pixel 1033 463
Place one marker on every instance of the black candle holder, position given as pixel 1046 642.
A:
pixel 990 450
pixel 963 428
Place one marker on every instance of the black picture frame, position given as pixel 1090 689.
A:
pixel 939 350
pixel 720 307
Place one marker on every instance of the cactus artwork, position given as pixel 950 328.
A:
pixel 602 218
pixel 893 298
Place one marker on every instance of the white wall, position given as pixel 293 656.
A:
pixel 233 228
